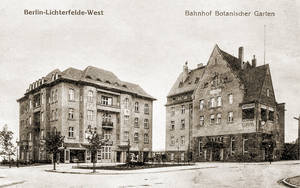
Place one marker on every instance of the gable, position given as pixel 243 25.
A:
pixel 267 89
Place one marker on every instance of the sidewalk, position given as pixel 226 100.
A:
pixel 4 182
pixel 68 169
pixel 292 181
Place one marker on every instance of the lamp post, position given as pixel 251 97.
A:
pixel 298 119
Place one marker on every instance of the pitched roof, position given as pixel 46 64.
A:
pixel 252 78
pixel 189 84
pixel 99 77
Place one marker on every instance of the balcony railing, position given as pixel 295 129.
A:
pixel 112 108
pixel 107 125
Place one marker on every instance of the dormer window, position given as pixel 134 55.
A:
pixel 268 92
pixel 98 79
pixel 108 82
pixel 88 77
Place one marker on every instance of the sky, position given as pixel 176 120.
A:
pixel 145 42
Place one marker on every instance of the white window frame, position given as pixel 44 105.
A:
pixel 212 102
pixel 136 106
pixel 230 98
pixel 219 118
pixel 219 101
pixel 244 141
pixel 136 137
pixel 201 105
pixel 146 138
pixel 201 120
pixel 182 109
pixel 90 96
pixel 182 125
pixel 146 123
pixel 71 132
pixel 212 119
pixel 71 94
pixel 146 108
pixel 230 117
pixel 90 115
pixel 136 122
pixel 71 113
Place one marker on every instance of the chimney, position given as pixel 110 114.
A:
pixel 254 61
pixel 185 71
pixel 200 65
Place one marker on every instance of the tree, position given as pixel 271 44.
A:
pixel 95 143
pixel 7 149
pixel 54 142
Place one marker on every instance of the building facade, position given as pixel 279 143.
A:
pixel 233 114
pixel 75 102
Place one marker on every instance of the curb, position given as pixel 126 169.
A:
pixel 126 173
pixel 10 184
pixel 289 184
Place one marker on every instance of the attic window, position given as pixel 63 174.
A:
pixel 53 77
pixel 180 84
pixel 268 92
pixel 99 80
pixel 116 84
pixel 197 80
pixel 88 77
pixel 108 82
pixel 124 86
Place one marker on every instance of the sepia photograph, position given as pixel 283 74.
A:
pixel 149 94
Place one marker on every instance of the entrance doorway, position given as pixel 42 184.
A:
pixel 118 156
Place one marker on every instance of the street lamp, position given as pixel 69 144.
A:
pixel 298 119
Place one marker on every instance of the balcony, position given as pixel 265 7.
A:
pixel 107 125
pixel 110 108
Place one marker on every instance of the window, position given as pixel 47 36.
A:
pixel 146 109
pixel 136 137
pixel 29 136
pixel 232 145
pixel 201 120
pixel 107 101
pixel 212 102
pixel 219 101
pixel 212 119
pixel 268 92
pixel 71 95
pixel 106 152
pixel 42 134
pixel 172 125
pixel 182 156
pixel 201 104
pixel 146 123
pixel 230 98
pixel 146 138
pixel 200 147
pixel 182 140
pixel 230 116
pixel 55 96
pixel 182 109
pixel 71 113
pixel 136 122
pixel 126 103
pixel 219 118
pixel 172 156
pixel 126 135
pixel 182 124
pixel 136 107
pixel 106 117
pixel 126 118
pixel 30 104
pixel 271 115
pixel 56 114
pixel 245 145
pixel 90 115
pixel 90 96
pixel 107 136
pixel 172 111
pixel 30 120
pixel 71 132
pixel 263 114
pixel 248 113
pixel 172 140
pixel 42 116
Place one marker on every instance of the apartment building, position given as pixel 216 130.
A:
pixel 73 102
pixel 233 114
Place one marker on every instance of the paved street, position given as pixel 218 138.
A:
pixel 201 175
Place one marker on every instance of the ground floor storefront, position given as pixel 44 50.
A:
pixel 237 147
